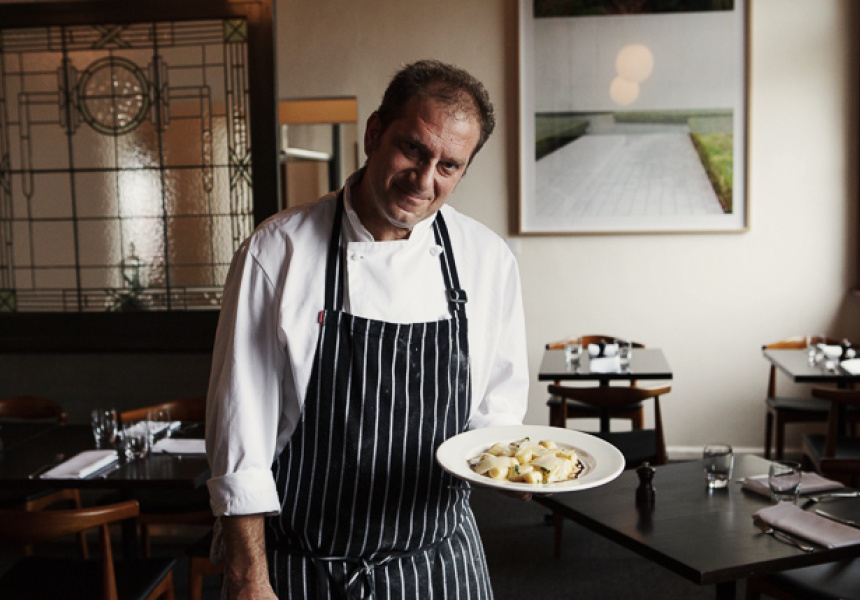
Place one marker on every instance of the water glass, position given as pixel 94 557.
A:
pixel 132 442
pixel 784 479
pixel 572 351
pixel 625 350
pixel 158 421
pixel 104 425
pixel 718 461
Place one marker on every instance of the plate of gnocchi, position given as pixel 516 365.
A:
pixel 536 459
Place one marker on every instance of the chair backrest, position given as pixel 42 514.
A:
pixel 592 339
pixel 23 528
pixel 32 407
pixel 606 396
pixel 798 342
pixel 837 397
pixel 183 409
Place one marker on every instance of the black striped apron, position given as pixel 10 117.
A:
pixel 366 511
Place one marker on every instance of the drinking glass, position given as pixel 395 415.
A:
pixel 104 425
pixel 135 440
pixel 625 349
pixel 158 421
pixel 572 351
pixel 718 461
pixel 784 479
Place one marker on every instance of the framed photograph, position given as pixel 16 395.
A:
pixel 633 116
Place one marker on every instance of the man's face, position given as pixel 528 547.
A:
pixel 414 165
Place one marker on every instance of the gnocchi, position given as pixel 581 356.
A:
pixel 525 461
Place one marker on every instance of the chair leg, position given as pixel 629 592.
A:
pixel 780 437
pixel 198 566
pixel 638 419
pixel 146 538
pixel 768 434
pixel 164 590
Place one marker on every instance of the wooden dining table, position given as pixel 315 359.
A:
pixel 795 364
pixel 171 473
pixel 645 363
pixel 704 535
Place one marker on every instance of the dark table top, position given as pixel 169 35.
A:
pixel 795 364
pixel 156 471
pixel 645 363
pixel 706 536
pixel 14 432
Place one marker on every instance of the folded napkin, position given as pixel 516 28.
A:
pixel 154 427
pixel 606 364
pixel 810 483
pixel 824 532
pixel 82 465
pixel 831 350
pixel 608 349
pixel 852 365
pixel 171 446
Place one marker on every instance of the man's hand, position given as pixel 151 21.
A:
pixel 247 574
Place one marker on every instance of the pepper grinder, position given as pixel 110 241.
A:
pixel 645 493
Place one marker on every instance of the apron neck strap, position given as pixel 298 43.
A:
pixel 334 263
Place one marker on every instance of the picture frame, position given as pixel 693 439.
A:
pixel 633 122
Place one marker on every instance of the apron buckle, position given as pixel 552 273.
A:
pixel 458 296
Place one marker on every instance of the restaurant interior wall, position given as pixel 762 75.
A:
pixel 708 300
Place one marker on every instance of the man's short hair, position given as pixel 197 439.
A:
pixel 444 83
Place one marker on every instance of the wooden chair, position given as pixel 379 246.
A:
pixel 159 508
pixel 560 412
pixel 782 410
pixel 36 408
pixel 830 581
pixel 200 565
pixel 835 455
pixel 32 408
pixel 638 445
pixel 50 577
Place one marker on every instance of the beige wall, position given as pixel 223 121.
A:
pixel 709 301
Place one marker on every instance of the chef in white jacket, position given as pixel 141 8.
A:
pixel 356 335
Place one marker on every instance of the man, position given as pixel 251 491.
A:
pixel 356 335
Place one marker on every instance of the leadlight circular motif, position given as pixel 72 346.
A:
pixel 113 95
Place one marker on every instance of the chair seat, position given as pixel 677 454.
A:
pixel 49 578
pixel 846 448
pixel 814 405
pixel 831 581
pixel 637 446
pixel 582 407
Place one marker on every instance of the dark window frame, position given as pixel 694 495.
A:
pixel 190 331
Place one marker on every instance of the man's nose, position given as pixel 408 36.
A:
pixel 424 176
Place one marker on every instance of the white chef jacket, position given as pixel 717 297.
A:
pixel 268 331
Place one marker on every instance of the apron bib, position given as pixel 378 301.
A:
pixel 366 510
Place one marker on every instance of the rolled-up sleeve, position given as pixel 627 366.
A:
pixel 245 388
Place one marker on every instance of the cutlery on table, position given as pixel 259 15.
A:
pixel 827 496
pixel 833 517
pixel 782 536
pixel 58 458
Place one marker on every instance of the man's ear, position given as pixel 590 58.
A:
pixel 372 132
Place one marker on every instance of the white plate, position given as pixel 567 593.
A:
pixel 602 461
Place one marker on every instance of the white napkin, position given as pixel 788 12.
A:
pixel 172 446
pixel 815 528
pixel 851 365
pixel 608 349
pixel 154 427
pixel 810 483
pixel 82 465
pixel 831 350
pixel 605 364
